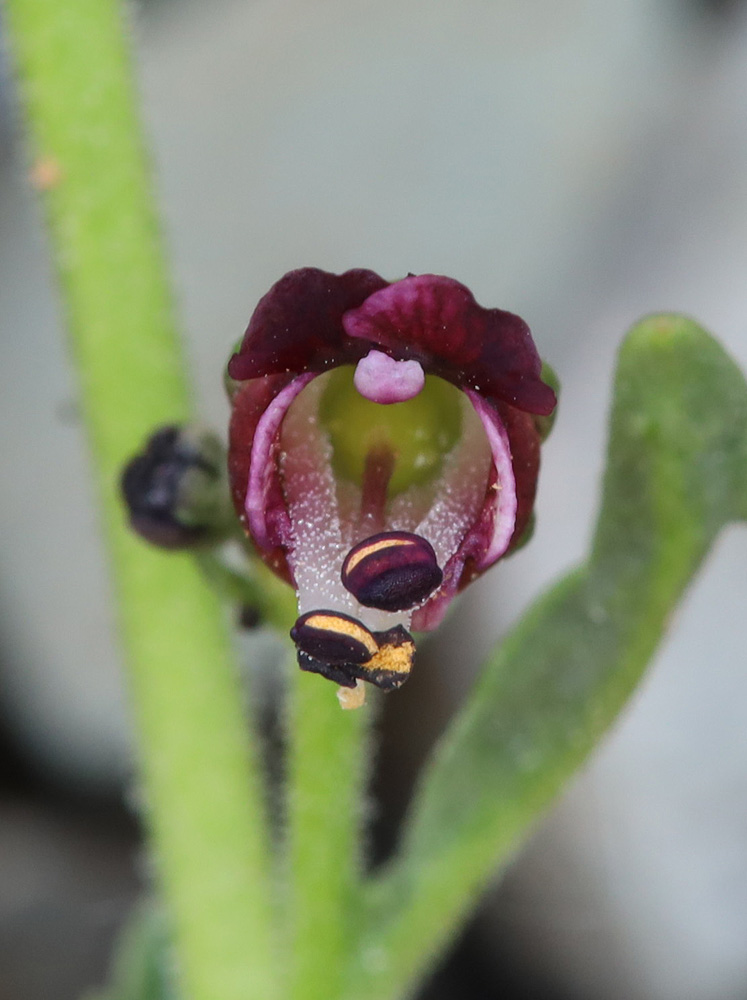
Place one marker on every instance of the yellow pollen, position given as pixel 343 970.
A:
pixel 368 550
pixel 341 626
pixel 393 659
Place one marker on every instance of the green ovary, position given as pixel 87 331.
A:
pixel 418 432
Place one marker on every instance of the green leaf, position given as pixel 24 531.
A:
pixel 676 474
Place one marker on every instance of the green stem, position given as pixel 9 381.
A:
pixel 200 777
pixel 326 774
pixel 273 600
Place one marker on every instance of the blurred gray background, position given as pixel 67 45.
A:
pixel 580 163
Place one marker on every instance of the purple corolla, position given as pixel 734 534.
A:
pixel 384 452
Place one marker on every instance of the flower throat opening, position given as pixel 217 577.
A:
pixel 351 468
pixel 416 434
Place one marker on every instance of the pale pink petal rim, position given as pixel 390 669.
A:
pixel 262 463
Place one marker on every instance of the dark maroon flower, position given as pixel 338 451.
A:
pixel 384 451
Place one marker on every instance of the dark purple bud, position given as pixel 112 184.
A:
pixel 333 638
pixel 176 490
pixel 391 571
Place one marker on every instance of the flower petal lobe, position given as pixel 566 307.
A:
pixel 435 320
pixel 297 324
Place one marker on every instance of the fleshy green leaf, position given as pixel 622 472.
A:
pixel 676 474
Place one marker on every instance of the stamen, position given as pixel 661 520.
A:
pixel 391 666
pixel 341 674
pixel 334 638
pixel 344 651
pixel 391 571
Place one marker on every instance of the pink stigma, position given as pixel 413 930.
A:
pixel 384 380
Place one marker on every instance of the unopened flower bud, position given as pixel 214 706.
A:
pixel 176 489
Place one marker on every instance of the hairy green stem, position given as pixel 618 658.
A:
pixel 326 771
pixel 272 599
pixel 201 787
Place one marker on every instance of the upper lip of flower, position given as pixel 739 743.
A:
pixel 312 321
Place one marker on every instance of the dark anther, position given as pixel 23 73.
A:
pixel 333 638
pixel 339 673
pixel 175 489
pixel 391 666
pixel 388 667
pixel 392 571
